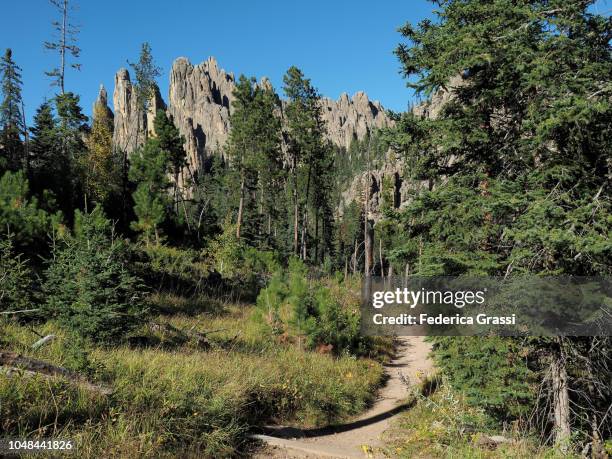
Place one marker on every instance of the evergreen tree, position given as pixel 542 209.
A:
pixel 171 142
pixel 88 286
pixel 145 74
pixel 310 161
pixel 21 215
pixel 254 149
pixel 65 43
pixel 100 166
pixel 148 170
pixel 518 163
pixel 12 124
pixel 71 150
pixel 15 277
pixel 45 171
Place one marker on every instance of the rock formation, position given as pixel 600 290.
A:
pixel 131 125
pixel 349 119
pixel 200 102
pixel 390 174
pixel 392 171
pixel 101 104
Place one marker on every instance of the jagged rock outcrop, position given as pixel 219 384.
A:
pixel 200 103
pixel 200 99
pixel 100 106
pixel 431 107
pixel 349 119
pixel 131 125
pixel 391 172
pixel 387 183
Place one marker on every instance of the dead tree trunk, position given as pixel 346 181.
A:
pixel 561 405
pixel 380 254
pixel 367 228
pixel 240 209
pixel 18 365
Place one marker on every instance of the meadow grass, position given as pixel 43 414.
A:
pixel 441 424
pixel 176 398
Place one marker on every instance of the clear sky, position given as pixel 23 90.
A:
pixel 342 45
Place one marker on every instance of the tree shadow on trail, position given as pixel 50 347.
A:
pixel 295 433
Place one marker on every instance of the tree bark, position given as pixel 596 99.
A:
pixel 380 255
pixel 240 209
pixel 296 211
pixel 316 238
pixel 560 399
pixel 16 364
pixel 366 218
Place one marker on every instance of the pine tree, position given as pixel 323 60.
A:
pixel 148 170
pixel 71 151
pixel 310 160
pixel 21 214
pixel 45 171
pixel 88 286
pixel 65 43
pixel 15 277
pixel 145 74
pixel 254 149
pixel 271 171
pixel 101 168
pixel 518 164
pixel 12 125
pixel 171 142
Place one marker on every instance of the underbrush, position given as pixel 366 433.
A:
pixel 442 424
pixel 319 313
pixel 179 399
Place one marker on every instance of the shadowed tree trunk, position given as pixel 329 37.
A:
pixel 240 208
pixel 560 398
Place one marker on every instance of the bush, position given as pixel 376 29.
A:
pixel 21 215
pixel 239 265
pixel 15 277
pixel 491 372
pixel 88 286
pixel 295 304
pixel 170 268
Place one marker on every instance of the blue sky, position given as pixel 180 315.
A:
pixel 342 45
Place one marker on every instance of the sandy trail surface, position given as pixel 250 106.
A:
pixel 359 437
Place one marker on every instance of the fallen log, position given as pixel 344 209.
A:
pixel 22 311
pixel 490 441
pixel 44 340
pixel 181 334
pixel 15 364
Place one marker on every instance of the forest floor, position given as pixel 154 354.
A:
pixel 361 437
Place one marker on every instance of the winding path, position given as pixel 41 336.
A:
pixel 348 440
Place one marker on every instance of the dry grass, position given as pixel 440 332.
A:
pixel 443 425
pixel 177 398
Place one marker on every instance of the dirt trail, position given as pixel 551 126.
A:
pixel 348 440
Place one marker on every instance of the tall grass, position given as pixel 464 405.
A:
pixel 442 424
pixel 181 400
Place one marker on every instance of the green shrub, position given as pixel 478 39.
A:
pixel 88 285
pixel 240 266
pixel 316 309
pixel 491 372
pixel 15 277
pixel 20 214
pixel 169 268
